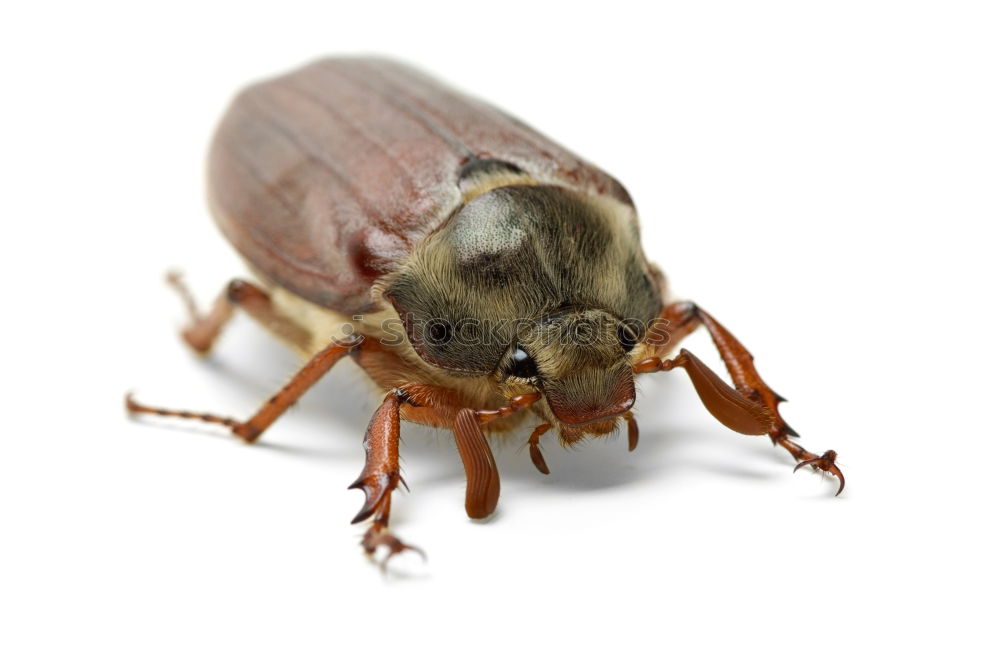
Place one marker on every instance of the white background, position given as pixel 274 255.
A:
pixel 823 177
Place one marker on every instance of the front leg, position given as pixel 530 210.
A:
pixel 751 410
pixel 442 407
pixel 380 477
pixel 430 405
pixel 684 317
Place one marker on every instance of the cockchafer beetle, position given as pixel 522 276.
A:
pixel 477 271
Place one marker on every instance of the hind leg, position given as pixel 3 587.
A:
pixel 204 328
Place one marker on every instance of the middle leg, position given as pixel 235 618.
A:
pixel 204 328
pixel 249 430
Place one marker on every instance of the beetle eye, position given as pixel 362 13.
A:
pixel 626 337
pixel 439 331
pixel 522 365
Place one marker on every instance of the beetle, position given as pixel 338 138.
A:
pixel 476 270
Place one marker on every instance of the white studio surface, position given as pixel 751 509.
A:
pixel 822 177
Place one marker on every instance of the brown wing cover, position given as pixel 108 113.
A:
pixel 325 178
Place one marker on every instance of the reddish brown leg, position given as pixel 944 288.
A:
pixel 441 407
pixel 754 410
pixel 380 477
pixel 252 428
pixel 438 407
pixel 204 329
pixel 431 405
pixel 684 318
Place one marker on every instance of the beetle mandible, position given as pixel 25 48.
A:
pixel 478 272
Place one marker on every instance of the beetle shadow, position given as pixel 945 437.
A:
pixel 664 453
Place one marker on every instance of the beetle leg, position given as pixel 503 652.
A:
pixel 731 408
pixel 204 329
pixel 434 405
pixel 827 463
pixel 437 406
pixel 250 429
pixel 684 317
pixel 380 477
pixel 754 410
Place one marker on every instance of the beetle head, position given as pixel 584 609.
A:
pixel 580 361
